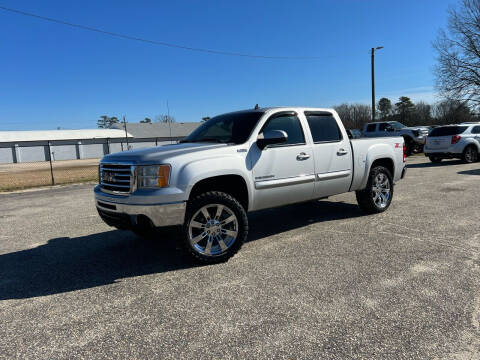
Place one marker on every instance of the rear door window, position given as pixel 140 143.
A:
pixel 324 128
pixel 371 127
pixel 448 130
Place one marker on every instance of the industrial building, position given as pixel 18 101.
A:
pixel 32 146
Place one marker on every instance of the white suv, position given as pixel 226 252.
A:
pixel 454 141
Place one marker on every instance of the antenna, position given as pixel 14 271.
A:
pixel 169 123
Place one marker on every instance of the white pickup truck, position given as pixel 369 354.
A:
pixel 244 161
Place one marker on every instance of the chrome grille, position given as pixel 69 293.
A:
pixel 116 178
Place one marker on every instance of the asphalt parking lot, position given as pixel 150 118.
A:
pixel 315 281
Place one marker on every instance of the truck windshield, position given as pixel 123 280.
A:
pixel 397 125
pixel 448 130
pixel 228 128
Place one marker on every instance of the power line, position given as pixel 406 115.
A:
pixel 155 42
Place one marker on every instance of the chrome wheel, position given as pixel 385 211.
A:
pixel 381 190
pixel 213 229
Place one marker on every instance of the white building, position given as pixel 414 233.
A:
pixel 30 146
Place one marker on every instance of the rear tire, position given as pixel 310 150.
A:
pixel 435 159
pixel 378 194
pixel 215 228
pixel 470 154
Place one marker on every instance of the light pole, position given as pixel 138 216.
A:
pixel 373 80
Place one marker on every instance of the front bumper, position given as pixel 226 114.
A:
pixel 124 215
pixel 420 140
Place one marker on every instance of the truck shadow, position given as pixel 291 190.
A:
pixel 68 264
pixel 430 164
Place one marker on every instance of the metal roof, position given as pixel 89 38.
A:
pixel 45 135
pixel 159 130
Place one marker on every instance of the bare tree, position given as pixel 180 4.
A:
pixel 164 119
pixel 458 48
pixel 422 114
pixel 354 116
pixel 451 112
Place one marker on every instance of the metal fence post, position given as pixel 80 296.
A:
pixel 50 159
pixel 156 141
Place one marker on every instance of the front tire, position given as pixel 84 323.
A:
pixel 470 154
pixel 215 227
pixel 377 196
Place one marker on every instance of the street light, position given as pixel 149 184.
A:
pixel 373 80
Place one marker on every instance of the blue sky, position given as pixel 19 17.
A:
pixel 56 76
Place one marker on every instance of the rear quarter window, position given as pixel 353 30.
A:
pixel 448 130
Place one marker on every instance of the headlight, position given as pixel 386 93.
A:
pixel 153 176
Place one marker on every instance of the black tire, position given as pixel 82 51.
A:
pixel 470 154
pixel 212 198
pixel 435 159
pixel 365 198
pixel 408 146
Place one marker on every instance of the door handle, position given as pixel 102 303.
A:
pixel 341 152
pixel 302 156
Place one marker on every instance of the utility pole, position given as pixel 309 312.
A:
pixel 169 123
pixel 126 134
pixel 373 80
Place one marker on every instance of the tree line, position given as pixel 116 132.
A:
pixel 355 116
pixel 107 122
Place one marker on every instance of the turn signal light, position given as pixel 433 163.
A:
pixel 456 139
pixel 163 175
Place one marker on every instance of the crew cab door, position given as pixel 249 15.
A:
pixel 283 173
pixel 332 154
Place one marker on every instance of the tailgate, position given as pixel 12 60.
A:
pixel 438 142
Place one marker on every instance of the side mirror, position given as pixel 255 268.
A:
pixel 271 137
pixel 389 129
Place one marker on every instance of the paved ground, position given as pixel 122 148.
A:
pixel 315 281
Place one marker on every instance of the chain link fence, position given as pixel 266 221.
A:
pixel 37 164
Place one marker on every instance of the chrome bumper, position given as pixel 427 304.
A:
pixel 164 214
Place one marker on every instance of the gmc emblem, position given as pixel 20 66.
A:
pixel 108 177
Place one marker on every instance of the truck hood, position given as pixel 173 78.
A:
pixel 160 153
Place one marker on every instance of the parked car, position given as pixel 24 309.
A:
pixel 454 141
pixel 414 136
pixel 240 162
pixel 354 133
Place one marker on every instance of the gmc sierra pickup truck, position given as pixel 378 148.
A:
pixel 240 162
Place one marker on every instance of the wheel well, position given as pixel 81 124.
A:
pixel 385 162
pixel 233 185
pixel 472 145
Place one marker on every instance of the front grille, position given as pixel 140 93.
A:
pixel 116 178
